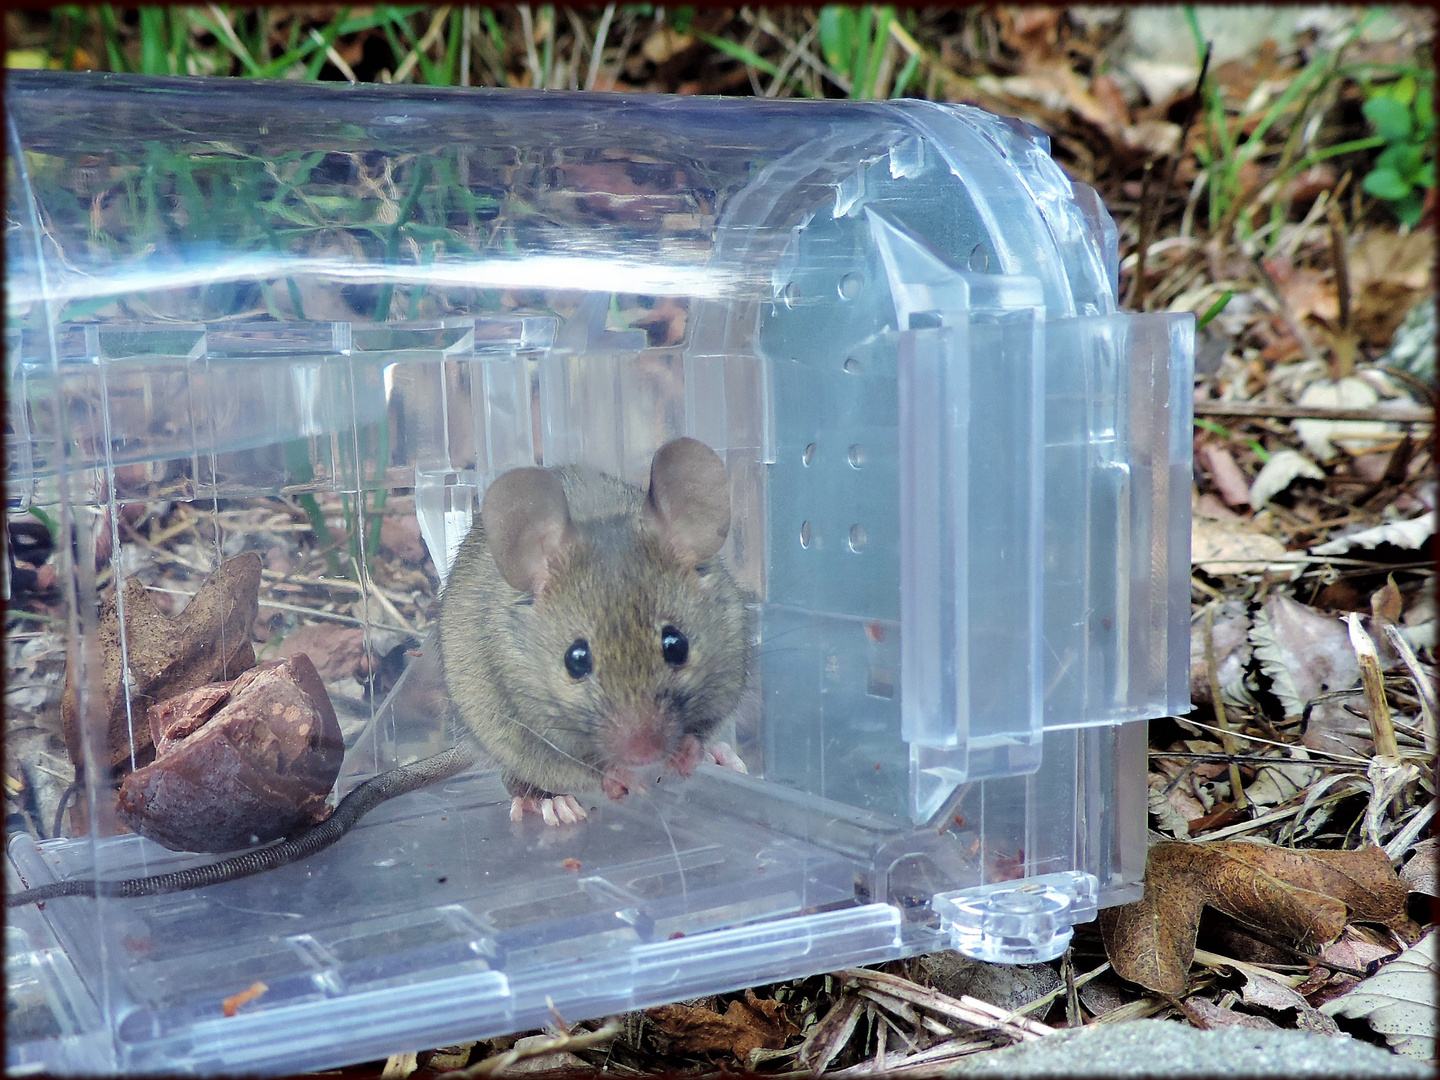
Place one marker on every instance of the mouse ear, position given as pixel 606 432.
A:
pixel 527 525
pixel 689 501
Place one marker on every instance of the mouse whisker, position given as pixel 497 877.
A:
pixel 547 742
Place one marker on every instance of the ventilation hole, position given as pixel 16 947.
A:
pixel 880 682
pixel 857 538
pixel 808 456
pixel 852 366
pixel 791 294
pixel 979 259
pixel 805 534
pixel 849 287
pixel 856 455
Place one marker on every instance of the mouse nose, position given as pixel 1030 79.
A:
pixel 641 748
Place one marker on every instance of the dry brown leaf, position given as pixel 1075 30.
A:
pixel 1270 992
pixel 1419 872
pixel 1305 895
pixel 746 1025
pixel 1220 548
pixel 237 764
pixel 1173 810
pixel 1353 949
pixel 1386 603
pixel 1207 1016
pixel 207 642
pixel 1388 272
pixel 1307 654
pixel 1305 291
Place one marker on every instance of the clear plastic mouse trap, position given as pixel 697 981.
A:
pixel 268 344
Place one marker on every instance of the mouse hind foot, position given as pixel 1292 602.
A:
pixel 553 809
pixel 526 798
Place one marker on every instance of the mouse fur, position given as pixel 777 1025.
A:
pixel 596 560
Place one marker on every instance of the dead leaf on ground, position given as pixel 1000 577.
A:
pixel 1305 895
pixel 1408 534
pixel 1306 291
pixel 1399 1000
pixel 1269 992
pixel 1208 1016
pixel 1104 994
pixel 1232 654
pixel 1173 809
pixel 400 536
pixel 1277 474
pixel 209 641
pixel 1222 547
pixel 1307 654
pixel 1273 784
pixel 1388 272
pixel 1354 949
pixel 1321 437
pixel 746 1025
pixel 1419 872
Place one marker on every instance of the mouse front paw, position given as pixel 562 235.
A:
pixel 692 753
pixel 688 756
pixel 618 782
pixel 724 755
pixel 553 809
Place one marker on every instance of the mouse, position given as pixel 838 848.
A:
pixel 589 635
pixel 589 632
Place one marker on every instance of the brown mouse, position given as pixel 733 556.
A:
pixel 589 630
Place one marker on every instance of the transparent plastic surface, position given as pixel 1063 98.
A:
pixel 1026 922
pixel 958 478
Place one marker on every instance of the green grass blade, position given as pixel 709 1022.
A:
pixel 739 52
pixel 152 41
pixel 230 43
pixel 1215 309
pixel 111 33
pixel 879 43
pixel 902 81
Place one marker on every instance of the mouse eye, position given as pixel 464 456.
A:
pixel 674 645
pixel 578 661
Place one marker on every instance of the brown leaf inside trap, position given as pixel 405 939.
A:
pixel 207 642
pixel 1304 895
pixel 746 1025
pixel 237 764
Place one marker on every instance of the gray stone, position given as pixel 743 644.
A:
pixel 1166 1048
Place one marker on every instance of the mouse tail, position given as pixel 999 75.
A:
pixel 302 845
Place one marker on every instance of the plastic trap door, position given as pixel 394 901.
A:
pixel 902 597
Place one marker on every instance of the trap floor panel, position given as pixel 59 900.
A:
pixel 437 918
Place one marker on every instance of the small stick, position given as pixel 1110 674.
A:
pixel 1382 730
pixel 1276 410
pixel 497 1065
pixel 1237 791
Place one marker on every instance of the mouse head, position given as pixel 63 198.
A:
pixel 529 529
pixel 636 635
